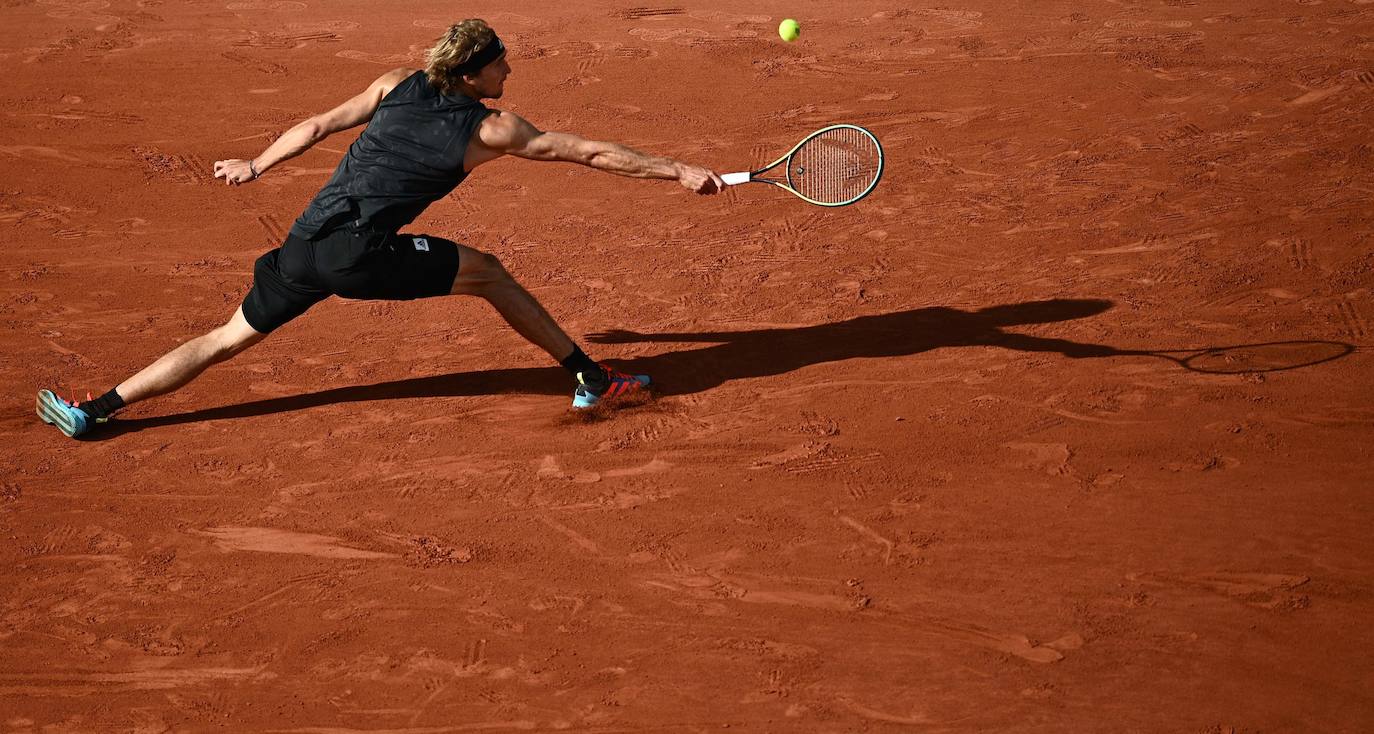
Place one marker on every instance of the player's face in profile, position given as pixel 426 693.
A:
pixel 491 80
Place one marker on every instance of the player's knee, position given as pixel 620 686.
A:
pixel 480 274
pixel 227 341
pixel 490 273
pixel 493 268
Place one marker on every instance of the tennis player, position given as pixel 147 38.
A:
pixel 426 131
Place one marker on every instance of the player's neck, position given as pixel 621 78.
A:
pixel 463 89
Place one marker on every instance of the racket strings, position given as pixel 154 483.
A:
pixel 836 166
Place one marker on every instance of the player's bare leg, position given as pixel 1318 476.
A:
pixel 483 275
pixel 172 371
pixel 186 362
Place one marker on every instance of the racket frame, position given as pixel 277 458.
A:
pixel 735 179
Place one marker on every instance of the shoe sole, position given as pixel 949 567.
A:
pixel 51 410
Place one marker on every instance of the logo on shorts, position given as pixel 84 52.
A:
pixel 421 243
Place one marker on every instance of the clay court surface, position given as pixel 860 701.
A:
pixel 943 460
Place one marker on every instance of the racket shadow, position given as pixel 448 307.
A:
pixel 731 355
pixel 1242 359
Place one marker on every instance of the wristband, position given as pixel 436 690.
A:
pixel 254 170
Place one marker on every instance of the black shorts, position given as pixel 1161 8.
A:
pixel 351 264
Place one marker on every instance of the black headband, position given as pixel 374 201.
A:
pixel 487 54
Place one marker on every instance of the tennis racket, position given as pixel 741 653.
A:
pixel 834 166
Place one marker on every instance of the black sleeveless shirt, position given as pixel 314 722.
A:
pixel 409 156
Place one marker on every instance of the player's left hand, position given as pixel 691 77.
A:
pixel 234 171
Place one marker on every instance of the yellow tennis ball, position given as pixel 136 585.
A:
pixel 789 30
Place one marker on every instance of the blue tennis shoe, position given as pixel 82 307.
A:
pixel 69 419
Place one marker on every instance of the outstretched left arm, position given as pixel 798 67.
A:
pixel 300 138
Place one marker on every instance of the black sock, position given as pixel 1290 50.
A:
pixel 103 406
pixel 578 361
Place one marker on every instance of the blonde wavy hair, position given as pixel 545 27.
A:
pixel 453 49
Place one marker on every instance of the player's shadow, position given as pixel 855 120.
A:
pixel 732 355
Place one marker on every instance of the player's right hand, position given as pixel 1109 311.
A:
pixel 699 179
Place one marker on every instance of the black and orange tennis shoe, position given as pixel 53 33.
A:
pixel 609 384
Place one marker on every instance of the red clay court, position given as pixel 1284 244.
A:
pixel 1066 428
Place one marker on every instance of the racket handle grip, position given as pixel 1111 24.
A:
pixel 735 179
